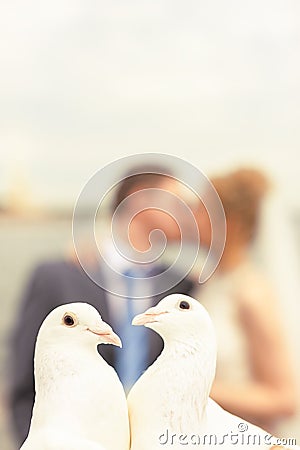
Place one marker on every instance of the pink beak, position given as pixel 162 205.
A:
pixel 107 334
pixel 149 316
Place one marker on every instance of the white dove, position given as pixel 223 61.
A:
pixel 169 406
pixel 79 402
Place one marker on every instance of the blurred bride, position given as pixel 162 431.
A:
pixel 254 376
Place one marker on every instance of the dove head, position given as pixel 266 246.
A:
pixel 179 318
pixel 78 324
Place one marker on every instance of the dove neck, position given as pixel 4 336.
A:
pixel 53 362
pixel 204 348
pixel 196 360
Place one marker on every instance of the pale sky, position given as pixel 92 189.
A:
pixel 85 82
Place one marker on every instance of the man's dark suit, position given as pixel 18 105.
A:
pixel 53 284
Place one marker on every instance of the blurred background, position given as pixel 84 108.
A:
pixel 83 83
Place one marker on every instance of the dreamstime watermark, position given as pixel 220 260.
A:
pixel 239 437
pixel 106 180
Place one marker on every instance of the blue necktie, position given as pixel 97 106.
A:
pixel 132 358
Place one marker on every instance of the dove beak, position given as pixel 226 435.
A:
pixel 149 316
pixel 107 334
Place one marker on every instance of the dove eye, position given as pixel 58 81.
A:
pixel 69 320
pixel 184 305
